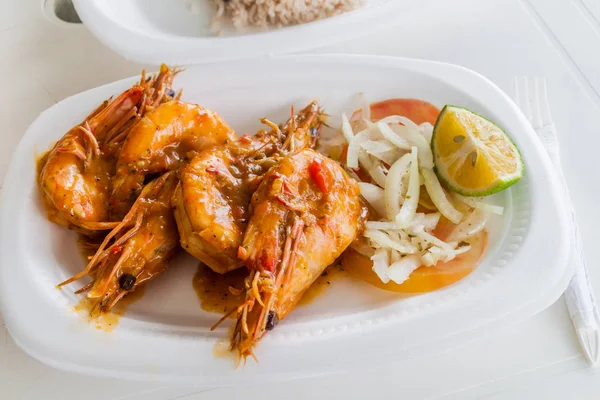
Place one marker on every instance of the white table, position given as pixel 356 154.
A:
pixel 42 62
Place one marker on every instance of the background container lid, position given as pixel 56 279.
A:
pixel 178 31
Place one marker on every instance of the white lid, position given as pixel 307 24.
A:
pixel 178 31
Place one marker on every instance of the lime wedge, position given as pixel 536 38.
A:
pixel 472 155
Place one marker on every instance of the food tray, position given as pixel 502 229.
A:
pixel 165 335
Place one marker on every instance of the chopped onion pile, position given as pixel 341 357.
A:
pixel 396 154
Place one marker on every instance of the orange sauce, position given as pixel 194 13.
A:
pixel 213 290
pixel 107 321
pixel 39 164
pixel 221 349
pixel 40 161
pixel 88 246
pixel 215 296
pixel 331 274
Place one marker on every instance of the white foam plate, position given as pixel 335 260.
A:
pixel 166 336
pixel 178 31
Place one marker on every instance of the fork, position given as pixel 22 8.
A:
pixel 531 96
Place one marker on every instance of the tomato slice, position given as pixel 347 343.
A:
pixel 423 279
pixel 418 111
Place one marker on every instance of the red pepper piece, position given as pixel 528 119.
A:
pixel 318 175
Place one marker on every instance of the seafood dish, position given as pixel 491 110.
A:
pixel 393 192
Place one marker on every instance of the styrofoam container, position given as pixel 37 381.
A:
pixel 178 31
pixel 165 335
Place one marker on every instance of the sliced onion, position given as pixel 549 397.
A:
pixel 474 223
pixel 429 238
pixel 382 150
pixel 394 186
pixel 462 249
pixel 382 225
pixel 447 255
pixel 374 167
pixel 373 130
pixel 426 222
pixel 428 259
pixel 389 157
pixel 413 133
pixel 441 255
pixel 358 124
pixel 432 256
pixel 383 240
pixel 427 130
pixel 381 264
pixel 362 246
pixel 415 137
pixel 374 147
pixel 401 270
pixel 354 148
pixel 365 107
pixel 392 136
pixel 347 129
pixel 438 196
pixel 492 208
pixel 374 196
pixel 411 200
pixel 399 119
pixel 394 256
pixel 420 221
pixel 479 203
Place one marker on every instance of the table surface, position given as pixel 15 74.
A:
pixel 44 62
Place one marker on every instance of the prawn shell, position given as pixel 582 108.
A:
pixel 299 228
pixel 167 138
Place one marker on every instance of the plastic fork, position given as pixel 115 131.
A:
pixel 531 96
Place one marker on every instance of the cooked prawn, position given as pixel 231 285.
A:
pixel 305 213
pixel 166 138
pixel 75 176
pixel 137 250
pixel 211 202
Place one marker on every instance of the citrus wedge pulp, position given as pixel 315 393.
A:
pixel 472 155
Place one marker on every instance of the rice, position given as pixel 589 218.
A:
pixel 277 13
